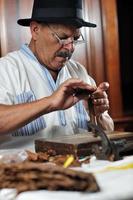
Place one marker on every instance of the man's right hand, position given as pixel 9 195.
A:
pixel 66 95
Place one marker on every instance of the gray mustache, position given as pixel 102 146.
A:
pixel 64 54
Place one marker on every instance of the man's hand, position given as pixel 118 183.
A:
pixel 69 93
pixel 100 99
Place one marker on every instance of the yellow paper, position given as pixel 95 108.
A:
pixel 68 162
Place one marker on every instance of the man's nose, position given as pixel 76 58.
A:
pixel 70 46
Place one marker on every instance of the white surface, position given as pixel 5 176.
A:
pixel 8 194
pixel 115 184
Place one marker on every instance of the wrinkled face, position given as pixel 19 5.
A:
pixel 46 44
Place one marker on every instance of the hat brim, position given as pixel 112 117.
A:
pixel 71 21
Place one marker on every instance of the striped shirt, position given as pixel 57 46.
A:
pixel 23 79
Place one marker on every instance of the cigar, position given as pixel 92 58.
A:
pixel 80 91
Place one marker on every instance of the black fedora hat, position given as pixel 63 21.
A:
pixel 57 11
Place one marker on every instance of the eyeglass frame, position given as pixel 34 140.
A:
pixel 64 42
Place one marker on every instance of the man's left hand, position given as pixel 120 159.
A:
pixel 100 99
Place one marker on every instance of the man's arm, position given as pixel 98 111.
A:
pixel 13 117
pixel 98 106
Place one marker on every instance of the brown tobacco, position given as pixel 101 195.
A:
pixel 28 176
pixel 55 159
pixel 80 91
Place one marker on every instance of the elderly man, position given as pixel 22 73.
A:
pixel 41 87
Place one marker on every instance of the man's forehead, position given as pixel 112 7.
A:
pixel 65 27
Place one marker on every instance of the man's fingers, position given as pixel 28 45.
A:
pixel 101 91
pixel 79 87
pixel 101 101
pixel 103 86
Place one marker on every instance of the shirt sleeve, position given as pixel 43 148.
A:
pixel 6 89
pixel 105 122
pixel 5 96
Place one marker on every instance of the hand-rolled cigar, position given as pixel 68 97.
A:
pixel 80 91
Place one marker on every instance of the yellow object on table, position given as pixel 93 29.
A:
pixel 120 167
pixel 68 161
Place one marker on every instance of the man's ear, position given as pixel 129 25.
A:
pixel 34 28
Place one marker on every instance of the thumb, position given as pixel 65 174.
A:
pixel 103 86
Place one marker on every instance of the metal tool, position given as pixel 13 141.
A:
pixel 109 150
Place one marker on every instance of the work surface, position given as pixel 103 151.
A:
pixel 114 178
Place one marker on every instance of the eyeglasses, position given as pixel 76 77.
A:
pixel 75 40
